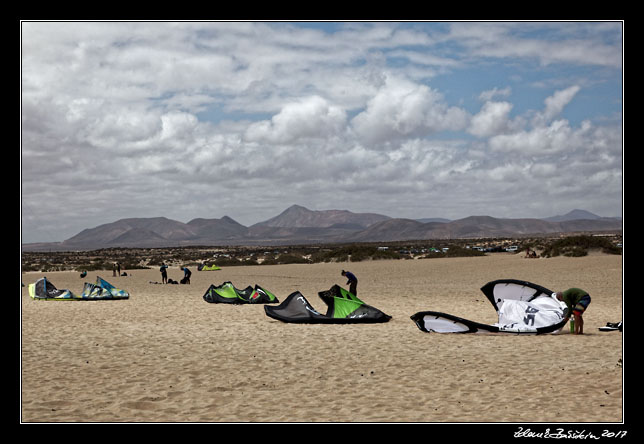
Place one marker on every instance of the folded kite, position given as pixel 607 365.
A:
pixel 226 293
pixel 343 307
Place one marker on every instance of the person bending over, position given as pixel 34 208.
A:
pixel 352 282
pixel 577 301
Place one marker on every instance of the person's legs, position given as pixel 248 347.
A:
pixel 579 323
pixel 578 312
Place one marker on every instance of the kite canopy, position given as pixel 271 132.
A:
pixel 511 289
pixel 208 267
pixel 226 293
pixel 342 308
pixel 102 290
pixel 44 289
pixel 522 307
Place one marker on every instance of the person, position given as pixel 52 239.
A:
pixel 186 275
pixel 577 301
pixel 352 282
pixel 164 273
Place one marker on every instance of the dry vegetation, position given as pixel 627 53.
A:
pixel 142 258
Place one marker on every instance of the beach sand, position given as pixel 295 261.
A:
pixel 166 355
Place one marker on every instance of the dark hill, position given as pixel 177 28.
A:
pixel 297 225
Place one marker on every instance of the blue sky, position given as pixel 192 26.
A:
pixel 413 119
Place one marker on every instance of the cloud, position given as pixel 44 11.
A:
pixel 311 117
pixel 403 109
pixel 491 120
pixel 551 139
pixel 177 126
pixel 147 119
pixel 556 103
pixel 491 94
pixel 544 43
pixel 545 137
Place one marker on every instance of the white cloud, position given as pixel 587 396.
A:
pixel 493 119
pixel 402 109
pixel 177 125
pixel 556 137
pixel 489 95
pixel 311 117
pixel 556 103
pixel 546 137
pixel 600 45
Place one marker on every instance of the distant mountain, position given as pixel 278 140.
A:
pixel 157 232
pixel 138 236
pixel 144 232
pixel 300 225
pixel 297 216
pixel 224 228
pixel 574 215
pixel 395 229
pixel 478 227
pixel 433 219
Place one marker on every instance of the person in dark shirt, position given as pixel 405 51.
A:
pixel 352 282
pixel 577 301
pixel 164 273
pixel 186 275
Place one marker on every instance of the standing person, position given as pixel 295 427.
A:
pixel 352 282
pixel 118 269
pixel 577 301
pixel 164 273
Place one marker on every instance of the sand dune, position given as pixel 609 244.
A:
pixel 165 355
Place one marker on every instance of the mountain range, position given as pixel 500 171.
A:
pixel 298 225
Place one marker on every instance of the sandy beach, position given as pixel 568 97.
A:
pixel 166 355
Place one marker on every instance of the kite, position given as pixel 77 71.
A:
pixel 202 267
pixel 343 307
pixel 522 308
pixel 103 290
pixel 226 293
pixel 44 289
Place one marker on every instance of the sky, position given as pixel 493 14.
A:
pixel 243 119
